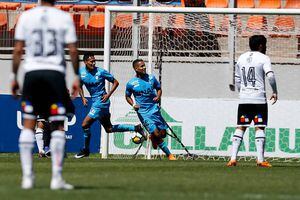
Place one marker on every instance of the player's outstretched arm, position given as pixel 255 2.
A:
pixel 17 56
pixel 272 81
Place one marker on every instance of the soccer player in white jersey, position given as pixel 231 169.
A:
pixel 45 31
pixel 251 69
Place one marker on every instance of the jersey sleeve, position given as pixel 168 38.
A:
pixel 128 91
pixel 267 65
pixel 70 34
pixel 156 84
pixel 107 76
pixel 237 73
pixel 20 29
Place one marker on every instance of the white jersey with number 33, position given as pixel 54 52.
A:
pixel 251 70
pixel 45 31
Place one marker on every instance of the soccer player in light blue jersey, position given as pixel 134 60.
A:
pixel 147 93
pixel 94 80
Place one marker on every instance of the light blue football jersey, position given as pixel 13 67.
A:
pixel 144 90
pixel 94 81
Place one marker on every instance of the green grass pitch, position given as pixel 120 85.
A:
pixel 155 179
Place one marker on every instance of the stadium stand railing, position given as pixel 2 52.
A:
pixel 89 20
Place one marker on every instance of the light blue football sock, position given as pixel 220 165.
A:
pixel 87 138
pixel 163 146
pixel 123 127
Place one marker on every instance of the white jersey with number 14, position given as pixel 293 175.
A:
pixel 251 70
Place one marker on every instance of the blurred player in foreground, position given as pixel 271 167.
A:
pixel 251 69
pixel 44 31
pixel 147 93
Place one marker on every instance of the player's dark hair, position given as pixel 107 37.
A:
pixel 87 55
pixel 50 1
pixel 136 61
pixel 256 40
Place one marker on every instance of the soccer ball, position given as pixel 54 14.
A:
pixel 137 140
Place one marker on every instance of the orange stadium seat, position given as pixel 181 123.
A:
pixel 245 4
pixel 3 21
pixel 283 24
pixel 225 25
pixel 256 23
pixel 11 6
pixel 29 6
pixel 292 4
pixel 79 22
pixel 100 8
pixel 64 7
pixel 88 8
pixel 96 24
pixel 123 21
pixel 2 6
pixel 269 4
pixel 179 25
pixel 217 3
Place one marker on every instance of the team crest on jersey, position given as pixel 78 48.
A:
pixel 258 118
pixel 27 107
pixel 244 119
pixel 57 109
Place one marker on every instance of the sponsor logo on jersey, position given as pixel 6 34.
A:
pixel 57 109
pixel 244 119
pixel 26 107
pixel 258 118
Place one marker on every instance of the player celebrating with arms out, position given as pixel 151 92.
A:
pixel 94 80
pixel 147 93
pixel 251 69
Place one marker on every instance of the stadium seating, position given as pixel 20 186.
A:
pixel 292 4
pixel 10 6
pixel 245 4
pixel 88 8
pixel 255 23
pixel 3 21
pixel 217 3
pixel 225 25
pixel 123 21
pixel 96 23
pixel 179 25
pixel 269 4
pixel 283 24
pixel 100 8
pixel 29 6
pixel 64 7
pixel 79 22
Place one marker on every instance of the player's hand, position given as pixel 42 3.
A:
pixel 105 97
pixel 75 88
pixel 85 102
pixel 14 88
pixel 136 107
pixel 274 97
pixel 156 99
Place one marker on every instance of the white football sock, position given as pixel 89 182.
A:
pixel 236 142
pixel 57 147
pixel 260 144
pixel 26 143
pixel 39 139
